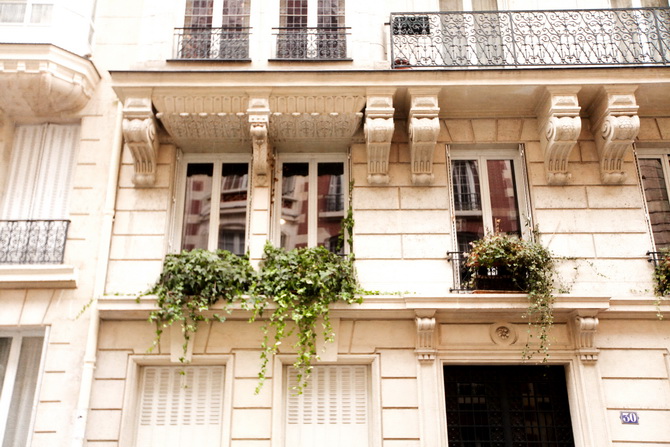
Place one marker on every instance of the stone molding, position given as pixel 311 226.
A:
pixel 560 126
pixel 378 129
pixel 139 133
pixel 615 126
pixel 424 128
pixel 259 113
pixel 44 81
pixel 584 329
pixel 426 349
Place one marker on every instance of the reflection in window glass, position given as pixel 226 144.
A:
pixel 294 205
pixel 197 204
pixel 656 195
pixel 503 196
pixel 467 202
pixel 330 204
pixel 233 207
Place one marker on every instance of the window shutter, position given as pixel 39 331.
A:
pixel 180 406
pixel 26 154
pixel 333 409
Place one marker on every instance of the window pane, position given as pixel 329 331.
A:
pixel 197 204
pixel 330 204
pixel 233 207
pixel 504 207
pixel 12 12
pixel 41 14
pixel 5 345
pixel 656 194
pixel 294 205
pixel 198 14
pixel 24 392
pixel 467 202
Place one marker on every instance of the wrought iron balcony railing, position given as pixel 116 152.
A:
pixel 312 43
pixel 227 43
pixel 460 273
pixel 614 37
pixel 32 241
pixel 656 256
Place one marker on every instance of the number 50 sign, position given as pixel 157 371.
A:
pixel 629 417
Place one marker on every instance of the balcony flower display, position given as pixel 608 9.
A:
pixel 662 274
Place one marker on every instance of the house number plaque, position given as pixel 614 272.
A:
pixel 629 417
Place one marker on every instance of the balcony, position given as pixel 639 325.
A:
pixel 32 241
pixel 227 43
pixel 320 44
pixel 520 39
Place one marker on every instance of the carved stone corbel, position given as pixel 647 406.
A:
pixel 584 329
pixel 615 127
pixel 259 119
pixel 378 131
pixel 424 128
pixel 425 337
pixel 560 126
pixel 139 133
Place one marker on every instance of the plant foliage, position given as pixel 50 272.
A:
pixel 191 282
pixel 661 279
pixel 301 284
pixel 531 268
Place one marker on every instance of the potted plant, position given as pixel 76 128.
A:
pixel 661 261
pixel 401 63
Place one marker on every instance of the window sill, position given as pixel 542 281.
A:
pixel 38 276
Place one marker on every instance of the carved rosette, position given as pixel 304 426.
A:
pixel 424 128
pixel 425 338
pixel 615 127
pixel 378 130
pixel 585 328
pixel 560 126
pixel 259 118
pixel 139 133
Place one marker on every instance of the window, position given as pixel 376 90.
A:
pixel 312 201
pixel 34 226
pixel 485 194
pixel 507 406
pixel 20 358
pixel 180 406
pixel 35 13
pixel 655 179
pixel 221 184
pixel 311 29
pixel 215 29
pixel 332 411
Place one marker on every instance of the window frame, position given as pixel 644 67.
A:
pixel 312 217
pixel 28 12
pixel 180 196
pixel 12 368
pixel 483 154
pixel 662 154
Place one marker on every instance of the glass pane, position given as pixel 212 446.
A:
pixel 12 12
pixel 658 205
pixel 197 204
pixel 504 207
pixel 467 202
pixel 41 14
pixel 294 205
pixel 198 14
pixel 330 205
pixel 5 345
pixel 24 392
pixel 233 207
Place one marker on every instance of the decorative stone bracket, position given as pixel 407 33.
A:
pixel 259 119
pixel 560 126
pixel 424 128
pixel 378 135
pixel 584 329
pixel 615 126
pixel 425 336
pixel 139 132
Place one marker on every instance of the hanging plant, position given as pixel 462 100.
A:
pixel 191 282
pixel 661 279
pixel 519 265
pixel 301 284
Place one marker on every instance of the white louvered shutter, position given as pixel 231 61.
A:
pixel 41 168
pixel 180 409
pixel 333 409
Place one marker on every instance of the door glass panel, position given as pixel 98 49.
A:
pixel 658 205
pixel 504 207
pixel 294 205
pixel 330 204
pixel 233 207
pixel 197 204
pixel 467 202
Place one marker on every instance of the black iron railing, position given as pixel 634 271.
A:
pixel 32 241
pixel 639 36
pixel 312 43
pixel 460 272
pixel 655 256
pixel 227 43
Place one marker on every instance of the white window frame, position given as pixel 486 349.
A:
pixel 312 216
pixel 180 193
pixel 279 394
pixel 133 392
pixel 482 154
pixel 28 13
pixel 7 388
pixel 662 154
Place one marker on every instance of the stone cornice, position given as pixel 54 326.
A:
pixel 44 81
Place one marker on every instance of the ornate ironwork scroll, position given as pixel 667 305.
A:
pixel 32 241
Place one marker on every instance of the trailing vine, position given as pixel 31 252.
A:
pixel 661 280
pixel 191 282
